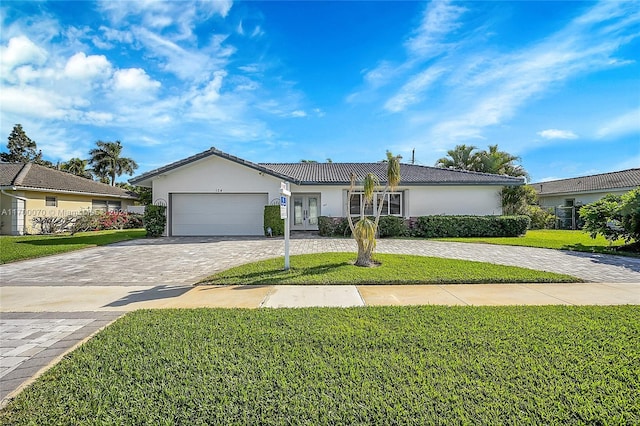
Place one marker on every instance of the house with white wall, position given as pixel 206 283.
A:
pixel 584 190
pixel 215 193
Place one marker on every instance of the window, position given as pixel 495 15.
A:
pixel 391 205
pixel 51 202
pixel 106 205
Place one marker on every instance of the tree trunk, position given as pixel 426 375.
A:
pixel 364 254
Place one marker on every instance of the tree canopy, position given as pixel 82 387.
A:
pixel 77 166
pixel 108 163
pixel 467 157
pixel 22 149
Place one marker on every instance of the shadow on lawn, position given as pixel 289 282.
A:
pixel 277 274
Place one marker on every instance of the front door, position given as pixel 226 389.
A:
pixel 306 209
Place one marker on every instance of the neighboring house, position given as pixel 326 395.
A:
pixel 214 193
pixel 585 189
pixel 30 190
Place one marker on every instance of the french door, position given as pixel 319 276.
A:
pixel 306 209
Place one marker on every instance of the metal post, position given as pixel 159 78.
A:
pixel 286 233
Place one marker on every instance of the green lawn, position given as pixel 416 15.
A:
pixel 30 246
pixel 337 268
pixel 553 239
pixel 357 366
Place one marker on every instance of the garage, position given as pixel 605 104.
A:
pixel 217 214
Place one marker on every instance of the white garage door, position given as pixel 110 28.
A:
pixel 217 214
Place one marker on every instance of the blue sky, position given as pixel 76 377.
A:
pixel 557 83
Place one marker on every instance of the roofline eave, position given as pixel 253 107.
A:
pixel 64 191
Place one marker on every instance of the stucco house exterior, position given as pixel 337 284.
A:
pixel 585 189
pixel 215 193
pixel 30 190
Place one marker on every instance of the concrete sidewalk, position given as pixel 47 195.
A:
pixel 129 298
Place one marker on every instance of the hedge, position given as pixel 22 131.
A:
pixel 435 226
pixel 470 226
pixel 272 220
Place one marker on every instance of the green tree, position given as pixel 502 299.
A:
pixel 630 214
pixel 77 166
pixel 144 194
pixel 107 162
pixel 22 149
pixel 364 230
pixel 462 157
pixel 498 162
pixel 603 217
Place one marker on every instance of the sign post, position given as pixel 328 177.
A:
pixel 284 214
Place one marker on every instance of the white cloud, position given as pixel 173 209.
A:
pixel 298 113
pixel 20 51
pixel 440 19
pixel 624 124
pixel 411 92
pixel 557 134
pixel 83 67
pixel 134 80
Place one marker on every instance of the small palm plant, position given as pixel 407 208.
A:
pixel 364 230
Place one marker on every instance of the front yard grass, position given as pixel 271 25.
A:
pixel 31 246
pixel 357 366
pixel 337 268
pixel 553 239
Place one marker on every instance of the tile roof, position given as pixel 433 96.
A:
pixel 601 182
pixel 339 173
pixel 34 176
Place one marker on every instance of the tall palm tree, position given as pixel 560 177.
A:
pixel 462 157
pixel 107 162
pixel 77 166
pixel 364 231
pixel 499 162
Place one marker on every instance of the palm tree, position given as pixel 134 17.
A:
pixel 77 166
pixel 461 157
pixel 364 231
pixel 107 163
pixel 499 162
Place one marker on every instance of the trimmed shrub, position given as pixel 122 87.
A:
pixel 540 218
pixel 470 226
pixel 155 220
pixel 392 226
pixel 333 226
pixel 272 220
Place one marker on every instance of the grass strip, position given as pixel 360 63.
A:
pixel 554 239
pixel 337 268
pixel 32 246
pixel 357 366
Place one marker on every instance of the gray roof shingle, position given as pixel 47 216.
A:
pixel 34 176
pixel 601 182
pixel 340 173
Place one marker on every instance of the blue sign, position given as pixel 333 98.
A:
pixel 283 201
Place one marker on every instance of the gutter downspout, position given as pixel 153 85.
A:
pixel 24 212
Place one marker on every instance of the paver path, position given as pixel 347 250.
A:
pixel 186 260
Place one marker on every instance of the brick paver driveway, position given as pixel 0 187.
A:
pixel 187 259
